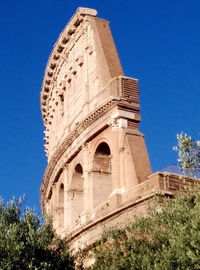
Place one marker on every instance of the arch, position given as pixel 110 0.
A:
pixel 101 174
pixel 58 174
pixel 61 195
pixel 76 195
pixel 58 200
pixel 61 204
pixel 102 159
pixel 103 149
pixel 77 181
pixel 49 203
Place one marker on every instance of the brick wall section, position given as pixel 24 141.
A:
pixel 127 205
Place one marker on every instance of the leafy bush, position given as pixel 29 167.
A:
pixel 26 243
pixel 167 238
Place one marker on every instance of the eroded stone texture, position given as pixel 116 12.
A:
pixel 98 169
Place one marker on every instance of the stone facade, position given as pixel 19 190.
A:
pixel 98 171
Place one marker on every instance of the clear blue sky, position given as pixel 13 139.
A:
pixel 158 42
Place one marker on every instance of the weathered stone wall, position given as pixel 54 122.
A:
pixel 82 64
pixel 97 158
pixel 126 206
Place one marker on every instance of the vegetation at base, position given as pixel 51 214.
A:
pixel 188 154
pixel 27 243
pixel 167 238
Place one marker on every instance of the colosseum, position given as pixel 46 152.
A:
pixel 98 171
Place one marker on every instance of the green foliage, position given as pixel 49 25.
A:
pixel 188 154
pixel 168 238
pixel 26 243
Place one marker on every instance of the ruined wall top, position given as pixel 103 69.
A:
pixel 82 63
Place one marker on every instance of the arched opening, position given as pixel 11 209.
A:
pixel 49 205
pixel 76 195
pixel 61 195
pixel 61 206
pixel 77 181
pixel 101 174
pixel 103 149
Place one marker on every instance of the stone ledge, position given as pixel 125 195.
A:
pixel 164 184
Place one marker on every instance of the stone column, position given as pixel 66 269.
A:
pixel 86 162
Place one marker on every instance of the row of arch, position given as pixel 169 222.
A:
pixel 73 199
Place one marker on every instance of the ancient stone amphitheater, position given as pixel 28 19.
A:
pixel 98 171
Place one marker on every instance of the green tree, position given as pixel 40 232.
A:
pixel 167 238
pixel 188 154
pixel 27 243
